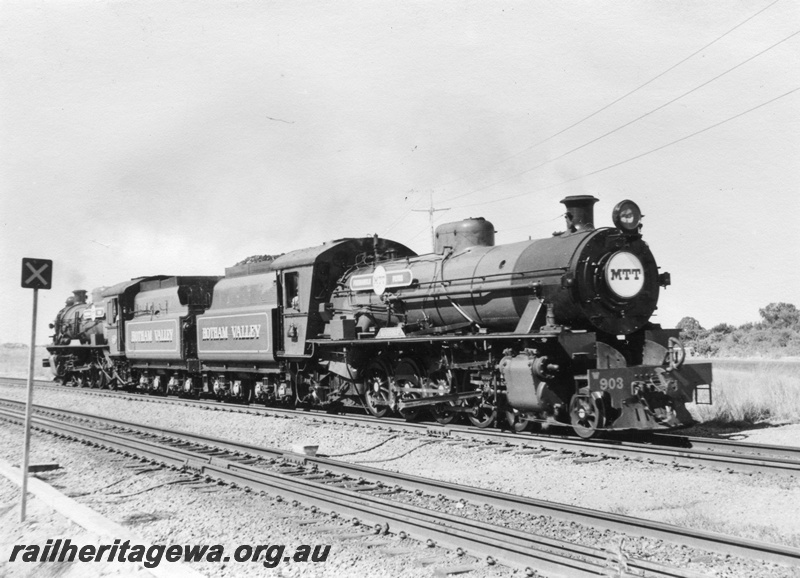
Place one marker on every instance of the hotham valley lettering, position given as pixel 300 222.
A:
pixel 223 332
pixel 152 335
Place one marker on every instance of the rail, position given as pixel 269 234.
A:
pixel 673 449
pixel 224 468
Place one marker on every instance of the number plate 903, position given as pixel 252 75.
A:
pixel 619 382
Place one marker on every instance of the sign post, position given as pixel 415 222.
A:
pixel 36 274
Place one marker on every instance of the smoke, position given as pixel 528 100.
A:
pixel 76 279
pixel 574 184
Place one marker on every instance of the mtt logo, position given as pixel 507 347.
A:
pixel 625 274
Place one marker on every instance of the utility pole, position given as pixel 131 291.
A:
pixel 430 212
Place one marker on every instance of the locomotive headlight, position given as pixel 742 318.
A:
pixel 625 274
pixel 627 216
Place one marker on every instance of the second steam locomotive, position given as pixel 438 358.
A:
pixel 553 330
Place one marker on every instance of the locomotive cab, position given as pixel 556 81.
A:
pixel 308 277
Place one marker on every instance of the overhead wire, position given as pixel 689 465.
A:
pixel 613 102
pixel 594 140
pixel 596 112
pixel 402 216
pixel 633 158
pixel 534 223
pixel 437 220
pixel 397 221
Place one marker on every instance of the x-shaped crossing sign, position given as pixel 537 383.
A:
pixel 37 273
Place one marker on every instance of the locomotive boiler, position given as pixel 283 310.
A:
pixel 603 280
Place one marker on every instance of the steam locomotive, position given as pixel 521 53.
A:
pixel 546 331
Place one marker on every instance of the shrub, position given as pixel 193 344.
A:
pixel 777 335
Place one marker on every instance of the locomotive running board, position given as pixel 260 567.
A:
pixel 437 338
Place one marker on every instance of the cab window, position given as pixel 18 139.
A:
pixel 291 291
pixel 112 312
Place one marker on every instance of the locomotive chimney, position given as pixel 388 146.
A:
pixel 80 296
pixel 580 212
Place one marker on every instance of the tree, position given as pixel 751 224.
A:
pixel 723 328
pixel 690 328
pixel 689 324
pixel 780 315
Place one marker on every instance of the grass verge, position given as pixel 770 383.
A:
pixel 751 392
pixel 14 361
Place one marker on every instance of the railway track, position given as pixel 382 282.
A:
pixel 672 449
pixel 366 493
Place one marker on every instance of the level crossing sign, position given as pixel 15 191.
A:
pixel 37 273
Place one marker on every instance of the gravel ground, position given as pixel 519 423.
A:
pixel 782 435
pixel 166 513
pixel 41 524
pixel 756 506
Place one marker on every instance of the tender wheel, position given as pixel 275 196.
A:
pixel 159 387
pixel 517 422
pixel 407 377
pixel 248 390
pixel 187 388
pixel 242 392
pixel 586 415
pixel 377 394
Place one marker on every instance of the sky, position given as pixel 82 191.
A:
pixel 180 137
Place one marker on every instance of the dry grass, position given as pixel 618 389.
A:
pixel 702 521
pixel 14 362
pixel 753 391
